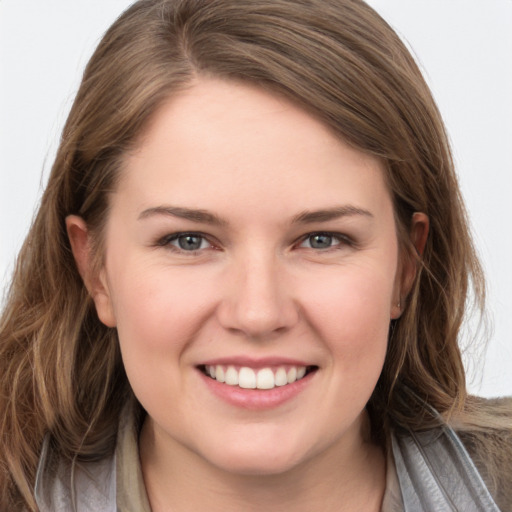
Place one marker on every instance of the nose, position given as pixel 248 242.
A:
pixel 258 300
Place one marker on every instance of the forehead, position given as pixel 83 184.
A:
pixel 226 141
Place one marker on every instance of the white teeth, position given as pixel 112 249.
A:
pixel 231 376
pixel 280 378
pixel 291 376
pixel 219 374
pixel 248 378
pixel 265 379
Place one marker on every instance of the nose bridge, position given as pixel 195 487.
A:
pixel 259 301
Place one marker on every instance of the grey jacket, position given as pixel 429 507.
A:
pixel 434 470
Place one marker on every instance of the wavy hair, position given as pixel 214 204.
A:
pixel 60 368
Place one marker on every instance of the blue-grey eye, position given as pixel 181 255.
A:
pixel 321 241
pixel 190 242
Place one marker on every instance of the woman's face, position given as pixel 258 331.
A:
pixel 246 241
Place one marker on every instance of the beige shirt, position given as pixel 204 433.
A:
pixel 392 501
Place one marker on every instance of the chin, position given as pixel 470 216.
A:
pixel 258 461
pixel 260 466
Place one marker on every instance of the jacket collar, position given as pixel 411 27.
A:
pixel 433 468
pixel 436 473
pixel 65 486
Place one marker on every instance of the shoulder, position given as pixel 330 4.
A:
pixel 485 429
pixel 464 462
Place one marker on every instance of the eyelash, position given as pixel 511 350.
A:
pixel 343 240
pixel 166 241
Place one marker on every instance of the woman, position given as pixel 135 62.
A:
pixel 245 281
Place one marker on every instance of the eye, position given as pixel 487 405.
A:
pixel 323 241
pixel 187 242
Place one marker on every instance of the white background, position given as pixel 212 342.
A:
pixel 464 48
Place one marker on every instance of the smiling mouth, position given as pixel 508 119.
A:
pixel 262 378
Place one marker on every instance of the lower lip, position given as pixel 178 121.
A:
pixel 256 399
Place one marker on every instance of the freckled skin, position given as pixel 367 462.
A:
pixel 256 287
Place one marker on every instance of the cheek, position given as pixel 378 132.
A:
pixel 155 307
pixel 155 323
pixel 352 315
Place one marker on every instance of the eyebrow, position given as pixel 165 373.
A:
pixel 206 217
pixel 309 217
pixel 200 216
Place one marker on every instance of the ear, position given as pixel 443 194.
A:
pixel 418 235
pixel 94 279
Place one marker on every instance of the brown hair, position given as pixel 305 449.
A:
pixel 61 371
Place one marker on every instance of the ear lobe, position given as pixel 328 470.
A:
pixel 94 280
pixel 409 267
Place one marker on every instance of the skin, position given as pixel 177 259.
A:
pixel 255 288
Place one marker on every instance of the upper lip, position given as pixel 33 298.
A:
pixel 254 362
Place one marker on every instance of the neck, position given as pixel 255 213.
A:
pixel 350 476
